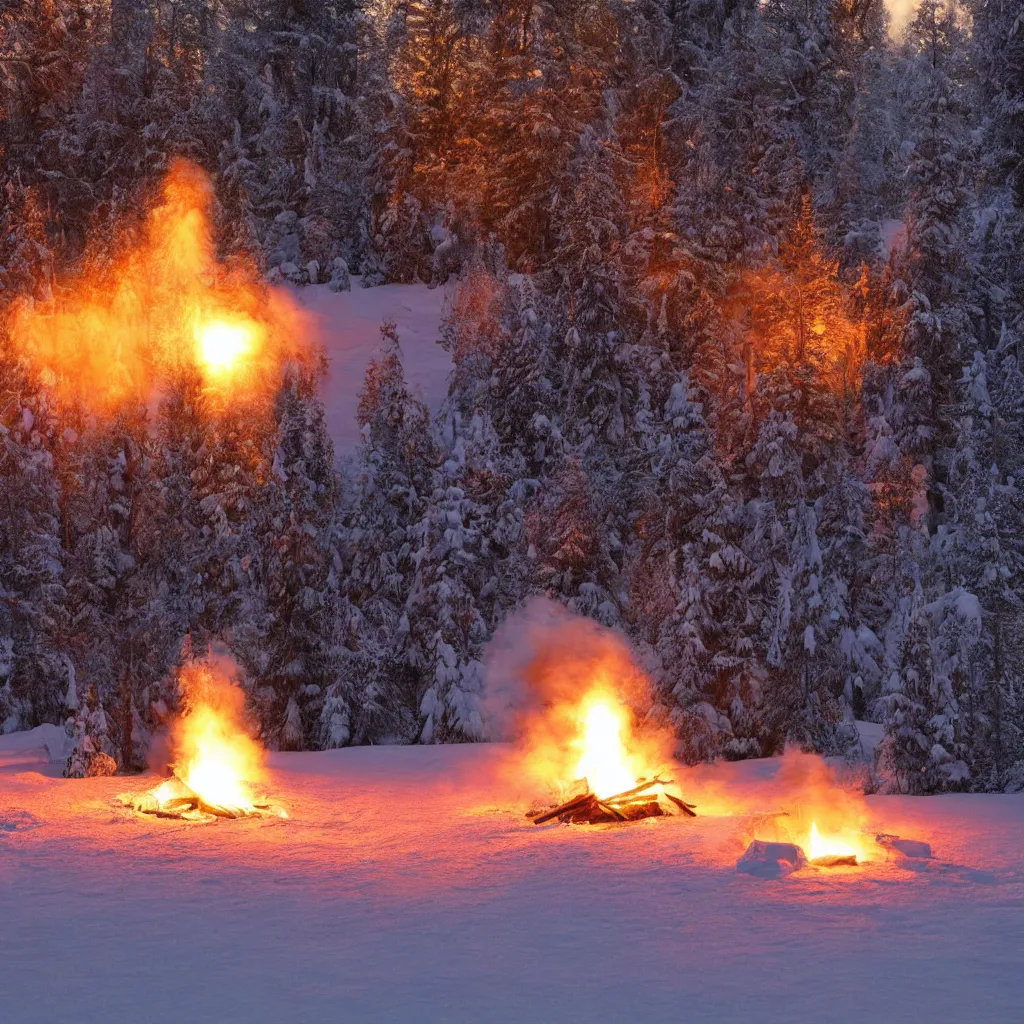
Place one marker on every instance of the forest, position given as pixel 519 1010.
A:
pixel 737 301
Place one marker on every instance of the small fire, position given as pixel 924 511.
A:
pixel 216 762
pixel 604 761
pixel 834 847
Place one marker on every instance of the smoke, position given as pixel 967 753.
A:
pixel 543 656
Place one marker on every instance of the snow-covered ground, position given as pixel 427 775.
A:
pixel 408 886
pixel 348 325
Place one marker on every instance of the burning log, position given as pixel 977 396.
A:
pixel 834 860
pixel 568 806
pixel 174 799
pixel 687 809
pixel 629 805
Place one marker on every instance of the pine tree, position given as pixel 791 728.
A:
pixel 34 626
pixel 919 752
pixel 90 755
pixel 291 652
pixel 397 463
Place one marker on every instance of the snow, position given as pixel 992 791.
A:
pixel 42 745
pixel 771 860
pixel 348 325
pixel 870 735
pixel 408 886
pixel 893 235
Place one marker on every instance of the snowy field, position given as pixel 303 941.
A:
pixel 348 326
pixel 408 886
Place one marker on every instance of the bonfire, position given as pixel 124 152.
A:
pixel 611 784
pixel 217 764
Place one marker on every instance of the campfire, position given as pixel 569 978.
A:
pixel 216 762
pixel 807 813
pixel 610 785
pixel 589 744
pixel 831 851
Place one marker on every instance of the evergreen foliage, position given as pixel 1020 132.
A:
pixel 736 300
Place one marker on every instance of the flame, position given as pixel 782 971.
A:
pixel 569 694
pixel 604 761
pixel 224 344
pixel 120 328
pixel 216 763
pixel 845 844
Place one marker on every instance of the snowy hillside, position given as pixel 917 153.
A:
pixel 408 887
pixel 348 325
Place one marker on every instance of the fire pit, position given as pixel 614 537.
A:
pixel 642 801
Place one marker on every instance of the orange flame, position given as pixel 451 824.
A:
pixel 844 843
pixel 571 696
pixel 605 762
pixel 214 755
pixel 215 758
pixel 115 332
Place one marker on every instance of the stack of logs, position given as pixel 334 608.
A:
pixel 631 805
pixel 174 799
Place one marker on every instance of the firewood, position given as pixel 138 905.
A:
pixel 608 809
pixel 220 812
pixel 682 805
pixel 635 791
pixel 835 861
pixel 569 805
pixel 647 809
pixel 179 803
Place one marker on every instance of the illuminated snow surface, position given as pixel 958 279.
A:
pixel 408 886
pixel 348 326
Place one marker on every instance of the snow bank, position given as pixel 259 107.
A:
pixel 43 745
pixel 771 860
pixel 906 847
pixel 349 328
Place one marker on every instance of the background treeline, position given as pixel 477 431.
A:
pixel 735 333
